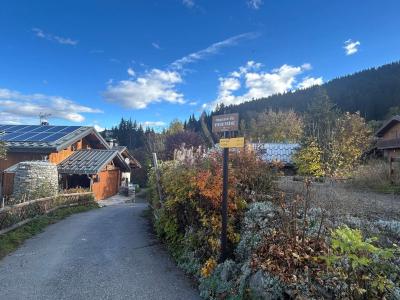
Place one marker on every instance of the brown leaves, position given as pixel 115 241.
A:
pixel 289 259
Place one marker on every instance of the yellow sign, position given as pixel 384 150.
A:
pixel 232 143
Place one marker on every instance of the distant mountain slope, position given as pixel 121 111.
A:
pixel 372 92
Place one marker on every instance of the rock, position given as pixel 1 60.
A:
pixel 265 286
pixel 34 179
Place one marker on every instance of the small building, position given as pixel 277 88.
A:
pixel 83 157
pixel 130 161
pixel 389 138
pixel 277 152
pixel 99 170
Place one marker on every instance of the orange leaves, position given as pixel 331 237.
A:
pixel 209 186
pixel 208 267
pixel 288 258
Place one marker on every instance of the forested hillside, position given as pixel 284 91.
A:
pixel 316 116
pixel 372 92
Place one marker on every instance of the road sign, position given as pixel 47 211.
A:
pixel 228 122
pixel 232 143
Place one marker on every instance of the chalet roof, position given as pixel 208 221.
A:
pixel 387 125
pixel 123 150
pixel 44 138
pixel 91 161
pixel 277 151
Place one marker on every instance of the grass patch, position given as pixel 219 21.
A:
pixel 388 189
pixel 13 239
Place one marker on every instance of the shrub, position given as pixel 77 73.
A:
pixel 189 220
pixel 11 215
pixel 363 266
pixel 308 159
pixel 375 175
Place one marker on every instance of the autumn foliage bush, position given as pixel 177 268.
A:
pixel 189 217
pixel 280 247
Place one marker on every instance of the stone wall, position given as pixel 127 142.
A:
pixel 33 180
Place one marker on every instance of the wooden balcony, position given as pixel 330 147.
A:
pixel 388 144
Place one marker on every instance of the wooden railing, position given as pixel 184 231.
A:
pixel 386 144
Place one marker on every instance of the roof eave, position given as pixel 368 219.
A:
pixel 40 150
pixel 382 130
pixel 82 135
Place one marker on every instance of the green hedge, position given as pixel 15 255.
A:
pixel 14 214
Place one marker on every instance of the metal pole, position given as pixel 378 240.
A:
pixel 224 206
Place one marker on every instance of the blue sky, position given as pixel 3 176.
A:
pixel 93 62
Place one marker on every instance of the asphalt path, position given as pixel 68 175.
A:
pixel 106 253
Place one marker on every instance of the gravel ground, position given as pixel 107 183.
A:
pixel 342 199
pixel 106 253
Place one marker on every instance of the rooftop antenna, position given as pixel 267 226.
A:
pixel 43 119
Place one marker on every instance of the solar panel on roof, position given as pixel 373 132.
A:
pixel 9 136
pixel 37 137
pixel 35 133
pixel 17 127
pixel 70 129
pixel 53 137
pixel 5 127
pixel 44 129
pixel 19 136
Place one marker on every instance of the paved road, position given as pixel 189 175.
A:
pixel 106 253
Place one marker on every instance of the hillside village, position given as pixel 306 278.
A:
pixel 322 168
pixel 283 182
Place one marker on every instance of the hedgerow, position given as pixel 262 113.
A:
pixel 279 246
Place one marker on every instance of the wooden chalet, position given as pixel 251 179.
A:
pixel 389 138
pixel 83 157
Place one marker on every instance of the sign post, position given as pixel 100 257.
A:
pixel 226 123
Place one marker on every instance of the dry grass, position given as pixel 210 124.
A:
pixel 376 214
pixel 375 175
pixel 343 199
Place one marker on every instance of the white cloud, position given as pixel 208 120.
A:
pixel 131 72
pixel 188 3
pixel 98 128
pixel 258 84
pixel 254 4
pixel 213 49
pixel 54 38
pixel 193 103
pixel 351 47
pixel 27 107
pixel 154 124
pixel 309 82
pixel 155 86
pixel 155 45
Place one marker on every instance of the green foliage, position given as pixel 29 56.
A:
pixel 12 215
pixel 335 142
pixel 308 159
pixel 175 126
pixel 393 111
pixel 350 139
pixel 372 92
pixel 364 266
